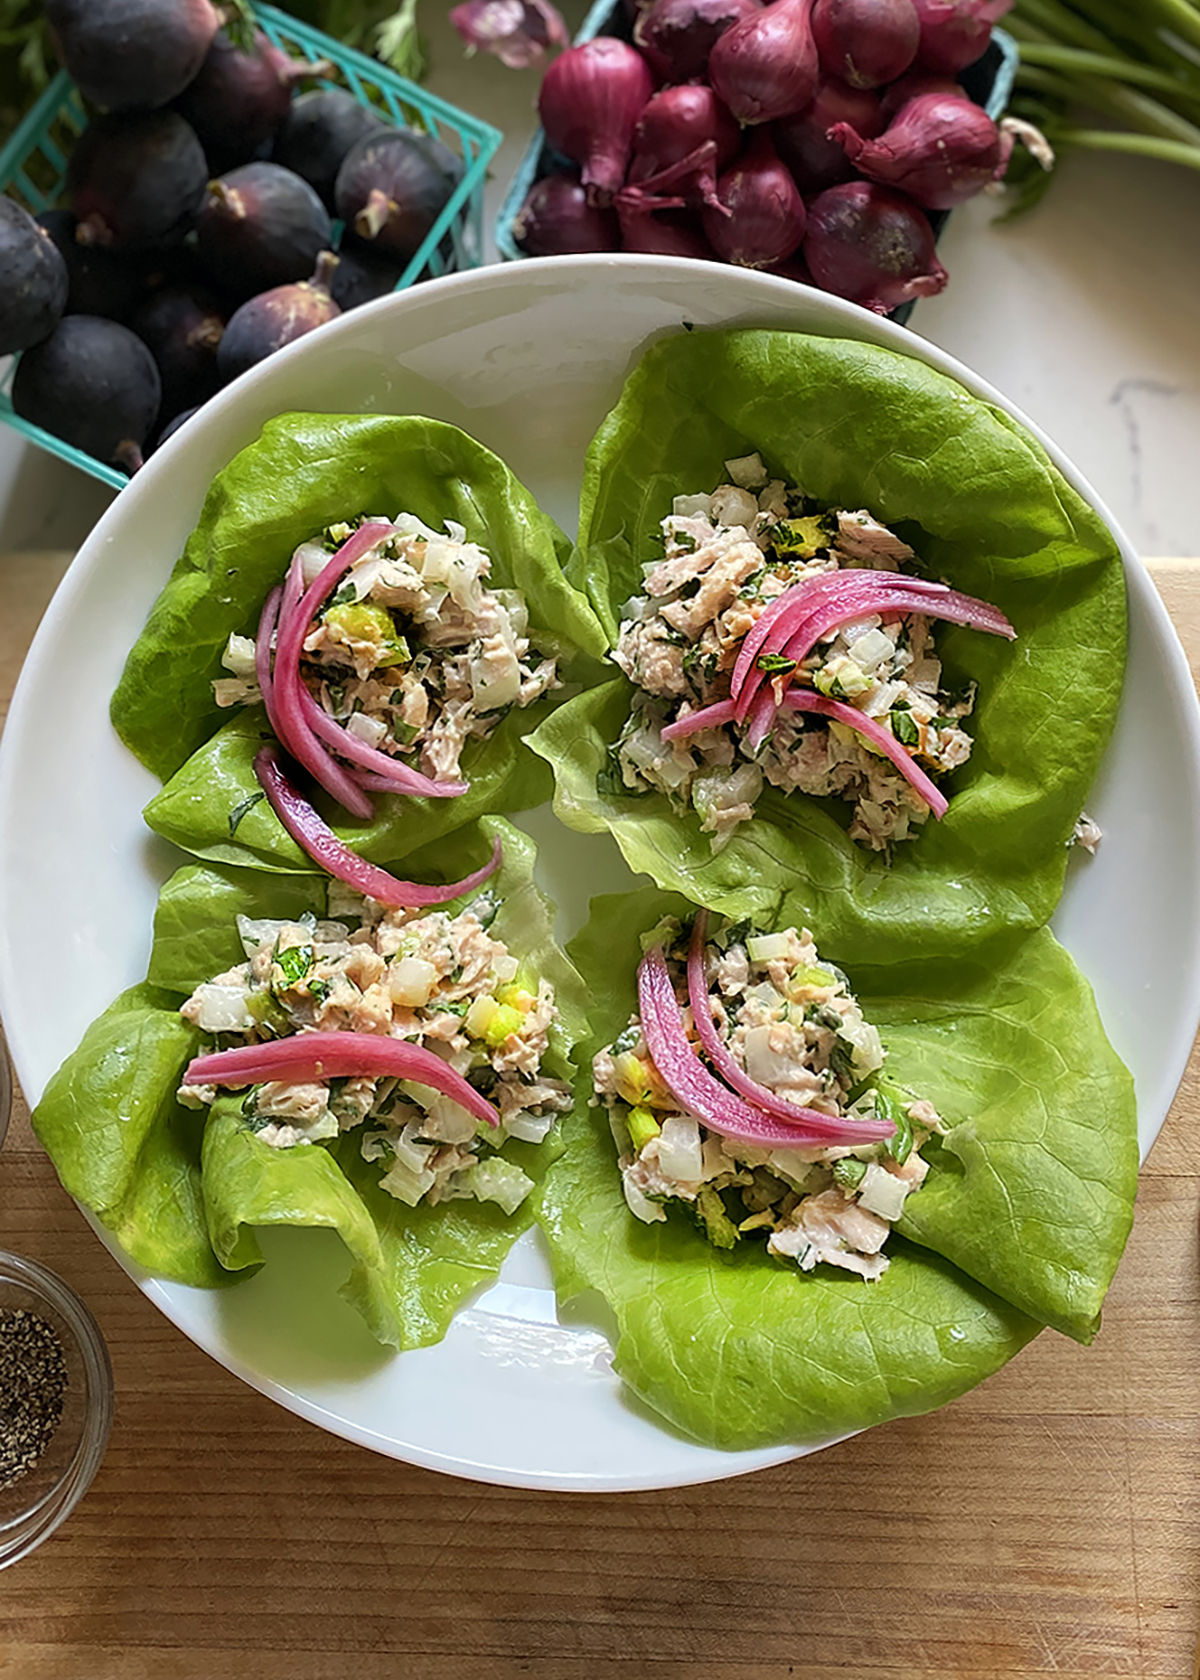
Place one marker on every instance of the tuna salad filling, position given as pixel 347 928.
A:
pixel 792 1025
pixel 413 654
pixel 727 556
pixel 432 980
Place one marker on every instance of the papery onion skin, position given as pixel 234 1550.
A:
pixel 761 217
pixel 686 1077
pixel 337 1055
pixel 802 141
pixel 590 101
pixel 314 836
pixel 676 36
pixel 940 149
pixel 828 1126
pixel 557 219
pixel 873 246
pixel 675 123
pixel 766 66
pixel 868 43
pixel 954 33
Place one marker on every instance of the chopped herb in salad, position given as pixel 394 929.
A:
pixel 778 642
pixel 419 1028
pixel 784 1030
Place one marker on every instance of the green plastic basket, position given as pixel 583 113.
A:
pixel 33 167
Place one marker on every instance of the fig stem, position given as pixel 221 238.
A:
pixel 373 215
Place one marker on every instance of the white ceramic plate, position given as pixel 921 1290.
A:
pixel 528 359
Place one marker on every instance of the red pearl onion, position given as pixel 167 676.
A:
pixel 954 33
pixel 658 235
pixel 589 102
pixel 911 86
pixel 766 66
pixel 872 246
pixel 557 219
pixel 676 36
pixel 764 217
pixel 677 120
pixel 866 42
pixel 816 162
pixel 941 149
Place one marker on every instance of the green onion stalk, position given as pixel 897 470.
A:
pixel 386 28
pixel 1133 66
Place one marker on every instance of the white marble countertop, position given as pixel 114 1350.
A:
pixel 1084 313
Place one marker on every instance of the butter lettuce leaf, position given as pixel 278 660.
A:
pixel 306 472
pixel 976 496
pixel 121 1143
pixel 112 1125
pixel 1020 1223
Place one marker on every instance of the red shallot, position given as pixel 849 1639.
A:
pixel 865 42
pixel 686 1077
pixel 338 1055
pixel 557 219
pixel 315 837
pixel 827 1126
pixel 644 228
pixel 760 218
pixel 766 66
pixel 941 149
pixel 677 124
pixel 803 143
pixel 676 36
pixel 954 33
pixel 872 245
pixel 589 102
pixel 896 97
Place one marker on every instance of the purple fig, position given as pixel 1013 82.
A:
pixel 363 275
pixel 93 384
pixel 33 280
pixel 100 282
pixel 261 226
pixel 128 55
pixel 391 190
pixel 240 99
pixel 136 180
pixel 278 317
pixel 321 128
pixel 182 326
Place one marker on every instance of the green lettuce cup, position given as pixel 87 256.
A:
pixel 1019 1223
pixel 858 427
pixel 303 474
pixel 184 1191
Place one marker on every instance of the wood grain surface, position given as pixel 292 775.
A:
pixel 1047 1523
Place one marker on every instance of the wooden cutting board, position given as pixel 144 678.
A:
pixel 1047 1523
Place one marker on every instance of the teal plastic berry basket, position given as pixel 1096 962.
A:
pixel 33 166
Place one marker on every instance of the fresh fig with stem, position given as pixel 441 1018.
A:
pixel 261 226
pixel 136 180
pixel 127 55
pixel 241 97
pixel 94 384
pixel 33 280
pixel 182 327
pixel 99 282
pixel 275 318
pixel 320 128
pixel 391 191
pixel 363 275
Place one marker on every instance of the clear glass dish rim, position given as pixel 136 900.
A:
pixel 27 1530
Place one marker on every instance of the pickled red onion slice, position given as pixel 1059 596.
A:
pixel 689 1081
pixel 830 1127
pixel 338 1055
pixel 316 838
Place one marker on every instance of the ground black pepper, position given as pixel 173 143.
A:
pixel 33 1378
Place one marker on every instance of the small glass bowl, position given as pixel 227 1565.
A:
pixel 37 1502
